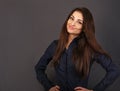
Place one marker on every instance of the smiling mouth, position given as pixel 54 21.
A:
pixel 71 27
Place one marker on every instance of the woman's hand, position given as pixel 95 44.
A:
pixel 81 89
pixel 55 88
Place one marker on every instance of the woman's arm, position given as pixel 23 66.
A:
pixel 42 65
pixel 112 72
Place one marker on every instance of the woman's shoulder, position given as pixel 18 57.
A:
pixel 55 41
pixel 101 56
pixel 53 44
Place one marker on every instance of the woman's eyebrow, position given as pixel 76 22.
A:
pixel 80 20
pixel 72 16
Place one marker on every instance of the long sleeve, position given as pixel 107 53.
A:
pixel 42 65
pixel 112 72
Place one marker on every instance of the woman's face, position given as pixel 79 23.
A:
pixel 75 23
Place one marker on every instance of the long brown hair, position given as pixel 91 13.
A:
pixel 87 44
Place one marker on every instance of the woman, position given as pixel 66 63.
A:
pixel 73 55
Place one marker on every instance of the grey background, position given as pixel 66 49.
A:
pixel 27 27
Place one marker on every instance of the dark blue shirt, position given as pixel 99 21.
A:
pixel 66 74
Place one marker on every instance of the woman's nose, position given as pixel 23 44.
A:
pixel 73 23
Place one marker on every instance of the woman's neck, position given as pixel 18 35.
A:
pixel 70 38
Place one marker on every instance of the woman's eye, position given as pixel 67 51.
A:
pixel 80 22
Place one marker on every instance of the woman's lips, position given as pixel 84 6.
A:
pixel 71 27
